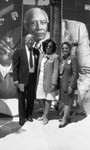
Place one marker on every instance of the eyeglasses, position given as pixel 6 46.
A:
pixel 49 46
pixel 64 48
pixel 30 41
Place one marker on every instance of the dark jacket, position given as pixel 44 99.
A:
pixel 70 73
pixel 20 65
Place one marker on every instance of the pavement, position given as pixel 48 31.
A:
pixel 36 136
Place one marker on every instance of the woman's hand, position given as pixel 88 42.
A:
pixel 69 90
pixel 16 83
pixel 53 88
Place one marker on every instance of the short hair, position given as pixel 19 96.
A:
pixel 68 44
pixel 29 36
pixel 45 43
pixel 29 13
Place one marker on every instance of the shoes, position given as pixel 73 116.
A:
pixel 60 120
pixel 25 120
pixel 30 119
pixel 67 122
pixel 45 121
pixel 21 122
pixel 40 118
pixel 81 113
pixel 40 112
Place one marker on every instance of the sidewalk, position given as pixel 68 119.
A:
pixel 36 136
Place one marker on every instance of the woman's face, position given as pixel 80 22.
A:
pixel 49 48
pixel 65 50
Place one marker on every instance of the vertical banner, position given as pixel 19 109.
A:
pixel 56 20
pixel 10 36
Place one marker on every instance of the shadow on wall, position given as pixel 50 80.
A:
pixel 8 128
pixel 8 96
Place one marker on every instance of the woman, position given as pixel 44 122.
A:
pixel 48 70
pixel 68 76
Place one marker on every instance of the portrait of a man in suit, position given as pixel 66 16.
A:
pixel 36 22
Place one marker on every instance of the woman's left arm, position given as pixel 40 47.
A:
pixel 55 70
pixel 75 71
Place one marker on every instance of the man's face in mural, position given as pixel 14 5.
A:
pixel 38 23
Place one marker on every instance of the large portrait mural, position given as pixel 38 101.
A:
pixel 36 21
pixel 76 29
pixel 43 20
pixel 10 36
pixel 17 19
